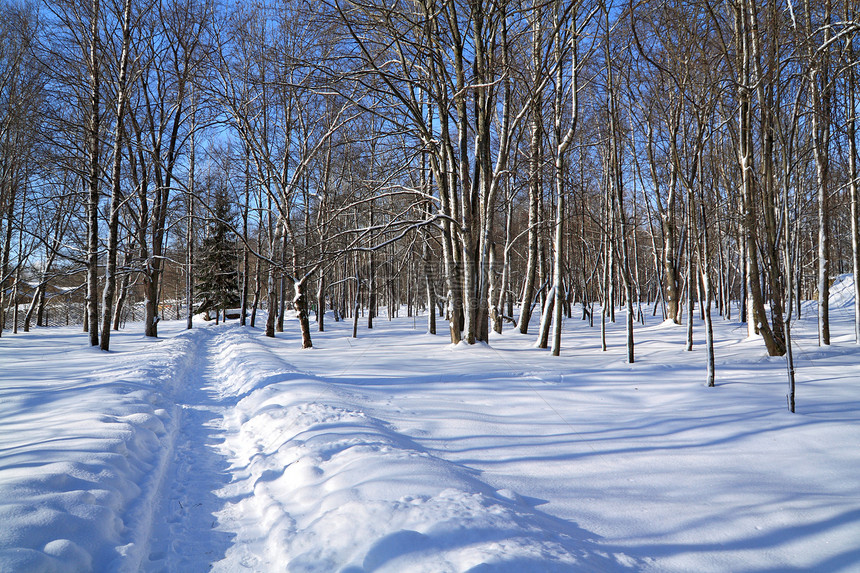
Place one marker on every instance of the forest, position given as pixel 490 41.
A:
pixel 476 161
pixel 508 286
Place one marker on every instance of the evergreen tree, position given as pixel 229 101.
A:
pixel 217 274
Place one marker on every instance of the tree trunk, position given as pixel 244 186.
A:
pixel 669 274
pixel 556 277
pixel 757 322
pixel 246 254
pixel 356 311
pixel 116 190
pixel 562 143
pixel 282 289
pixel 851 121
pixel 123 296
pixel 154 267
pixel 300 302
pixel 272 303
pixel 321 303
pixel 93 182
pixel 820 89
pixel 189 229
pixel 546 319
pixel 504 296
pixel 617 184
pixel 428 285
pixel 531 265
pixel 691 279
pixel 258 285
pixel 535 161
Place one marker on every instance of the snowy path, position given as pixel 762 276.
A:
pixel 275 468
pixel 220 449
pixel 184 536
pixel 372 452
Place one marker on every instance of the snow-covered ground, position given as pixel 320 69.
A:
pixel 221 449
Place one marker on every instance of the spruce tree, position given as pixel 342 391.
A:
pixel 217 274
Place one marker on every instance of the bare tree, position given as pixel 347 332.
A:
pixel 116 184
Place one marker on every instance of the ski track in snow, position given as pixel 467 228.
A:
pixel 184 537
pixel 275 468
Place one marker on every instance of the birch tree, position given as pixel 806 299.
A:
pixel 116 199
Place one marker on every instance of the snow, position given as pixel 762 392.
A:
pixel 220 449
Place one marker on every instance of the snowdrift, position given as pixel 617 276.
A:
pixel 83 452
pixel 338 490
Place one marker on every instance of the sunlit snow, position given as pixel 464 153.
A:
pixel 220 449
